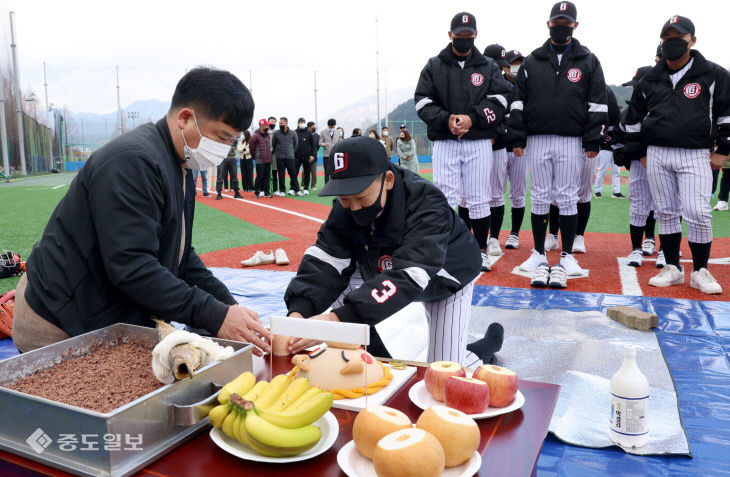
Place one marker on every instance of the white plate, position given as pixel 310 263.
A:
pixel 355 464
pixel 328 424
pixel 400 376
pixel 422 398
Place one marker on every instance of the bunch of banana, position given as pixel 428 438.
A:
pixel 241 385
pixel 274 419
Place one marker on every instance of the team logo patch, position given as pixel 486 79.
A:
pixel 464 19
pixel 477 79
pixel 674 19
pixel 340 161
pixel 563 6
pixel 574 75
pixel 385 263
pixel 503 54
pixel 692 90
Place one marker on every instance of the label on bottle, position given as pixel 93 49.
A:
pixel 628 415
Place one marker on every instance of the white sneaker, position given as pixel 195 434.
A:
pixel 312 188
pixel 579 244
pixel 291 191
pixel 513 242
pixel 570 264
pixel 261 194
pixel 300 193
pixel 305 192
pixel 705 282
pixel 551 242
pixel 670 275
pixel 635 258
pixel 558 277
pixel 486 266
pixel 282 194
pixel 531 264
pixel 661 260
pixel 280 257
pixel 648 247
pixel 493 247
pixel 721 205
pixel 259 258
pixel 541 275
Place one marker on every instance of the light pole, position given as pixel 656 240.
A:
pixel 133 115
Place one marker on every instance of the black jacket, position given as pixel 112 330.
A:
pixel 503 140
pixel 478 90
pixel 566 100
pixel 418 250
pixel 614 112
pixel 693 115
pixel 305 146
pixel 110 251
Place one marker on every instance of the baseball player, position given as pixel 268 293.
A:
pixel 390 239
pixel 679 124
pixel 605 155
pixel 462 97
pixel 559 116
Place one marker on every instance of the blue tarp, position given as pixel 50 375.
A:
pixel 695 340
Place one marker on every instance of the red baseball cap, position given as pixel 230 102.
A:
pixel 263 122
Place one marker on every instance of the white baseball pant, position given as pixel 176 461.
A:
pixel 555 165
pixel 605 160
pixel 640 200
pixel 587 173
pixel 505 165
pixel 462 168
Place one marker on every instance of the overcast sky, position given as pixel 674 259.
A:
pixel 283 42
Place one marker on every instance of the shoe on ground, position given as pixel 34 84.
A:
pixel 705 282
pixel 670 275
pixel 219 197
pixel 648 247
pixel 570 265
pixel 261 194
pixel 312 188
pixel 305 192
pixel 269 196
pixel 531 264
pixel 259 258
pixel 513 242
pixel 486 266
pixel 300 193
pixel 205 194
pixel 493 247
pixel 558 277
pixel 238 195
pixel 661 260
pixel 280 257
pixel 551 242
pixel 579 244
pixel 635 258
pixel 291 191
pixel 598 195
pixel 541 275
pixel 721 205
pixel 618 195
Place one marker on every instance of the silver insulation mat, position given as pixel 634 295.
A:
pixel 580 352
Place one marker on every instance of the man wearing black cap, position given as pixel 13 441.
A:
pixel 679 124
pixel 559 116
pixel 390 239
pixel 304 154
pixel 462 97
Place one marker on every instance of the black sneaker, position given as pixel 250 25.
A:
pixel 205 194
pixel 619 195
pixel 219 197
pixel 237 196
pixel 598 195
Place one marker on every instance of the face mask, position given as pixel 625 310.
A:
pixel 272 126
pixel 367 215
pixel 561 34
pixel 301 125
pixel 674 48
pixel 281 126
pixel 463 45
pixel 209 153
pixel 385 133
pixel 513 70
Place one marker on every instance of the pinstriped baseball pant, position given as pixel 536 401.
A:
pixel 462 167
pixel 587 175
pixel 640 200
pixel 555 165
pixel 448 323
pixel 506 165
pixel 680 181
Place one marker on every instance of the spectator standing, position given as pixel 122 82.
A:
pixel 329 138
pixel 406 149
pixel 387 141
pixel 304 155
pixel 227 169
pixel 260 146
pixel 315 150
pixel 284 144
pixel 373 134
pixel 274 164
pixel 246 161
pixel 204 178
pixel 356 132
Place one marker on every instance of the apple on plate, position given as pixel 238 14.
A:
pixel 468 395
pixel 438 373
pixel 502 383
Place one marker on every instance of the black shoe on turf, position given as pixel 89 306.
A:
pixel 237 196
pixel 219 197
pixel 619 195
pixel 598 195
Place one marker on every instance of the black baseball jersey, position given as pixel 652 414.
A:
pixel 694 114
pixel 564 99
pixel 477 89
pixel 417 250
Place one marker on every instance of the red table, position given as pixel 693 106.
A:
pixel 510 443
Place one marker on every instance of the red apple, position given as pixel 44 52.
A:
pixel 436 375
pixel 468 395
pixel 502 383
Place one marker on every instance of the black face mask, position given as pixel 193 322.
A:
pixel 674 48
pixel 367 215
pixel 561 34
pixel 266 129
pixel 463 45
pixel 272 126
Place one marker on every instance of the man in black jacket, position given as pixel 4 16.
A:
pixel 305 154
pixel 390 239
pixel 283 147
pixel 462 97
pixel 559 117
pixel 678 122
pixel 117 247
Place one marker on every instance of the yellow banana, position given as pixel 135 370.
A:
pixel 303 416
pixel 227 425
pixel 256 391
pixel 218 414
pixel 279 439
pixel 239 430
pixel 304 398
pixel 275 388
pixel 295 389
pixel 241 385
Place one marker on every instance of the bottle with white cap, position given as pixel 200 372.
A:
pixel 629 403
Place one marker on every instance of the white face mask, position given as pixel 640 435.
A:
pixel 301 125
pixel 385 133
pixel 513 70
pixel 209 153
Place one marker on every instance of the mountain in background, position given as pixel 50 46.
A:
pixel 363 113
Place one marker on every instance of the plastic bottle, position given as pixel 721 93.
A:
pixel 629 404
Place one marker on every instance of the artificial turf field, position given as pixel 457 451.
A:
pixel 227 231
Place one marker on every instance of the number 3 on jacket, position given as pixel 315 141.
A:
pixel 381 296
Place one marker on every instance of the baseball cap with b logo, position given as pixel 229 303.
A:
pixel 564 10
pixel 497 52
pixel 682 24
pixel 355 163
pixel 463 21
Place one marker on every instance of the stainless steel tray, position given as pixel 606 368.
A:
pixel 38 428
